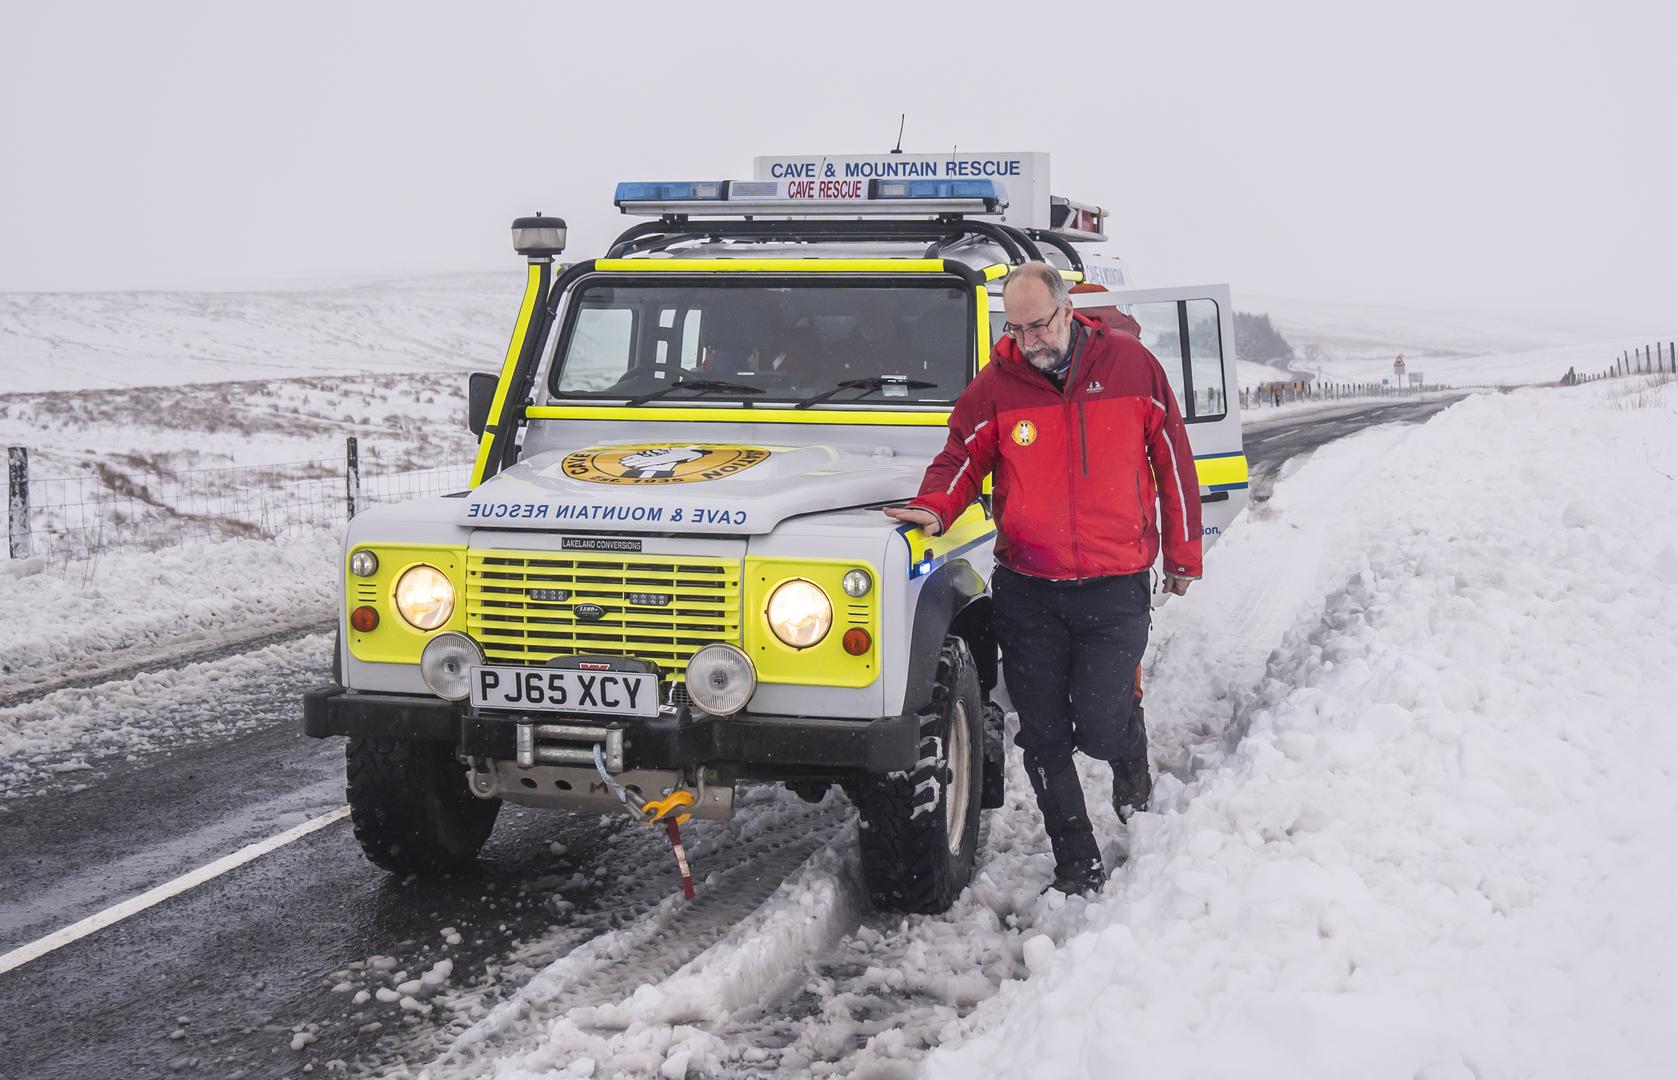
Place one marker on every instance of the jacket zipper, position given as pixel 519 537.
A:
pixel 1083 439
pixel 1072 499
pixel 1083 451
pixel 1141 507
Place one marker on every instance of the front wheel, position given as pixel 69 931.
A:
pixel 920 829
pixel 412 810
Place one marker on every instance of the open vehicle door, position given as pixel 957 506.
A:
pixel 1191 330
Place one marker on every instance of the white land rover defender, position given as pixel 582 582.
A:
pixel 671 573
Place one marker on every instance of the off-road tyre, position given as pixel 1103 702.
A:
pixel 908 864
pixel 412 810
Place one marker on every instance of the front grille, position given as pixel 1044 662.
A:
pixel 515 628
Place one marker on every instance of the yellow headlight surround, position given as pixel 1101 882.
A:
pixel 792 587
pixel 395 640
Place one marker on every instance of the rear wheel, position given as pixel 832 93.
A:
pixel 412 810
pixel 920 829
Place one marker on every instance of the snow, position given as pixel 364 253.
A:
pixel 158 622
pixel 1413 817
pixel 91 341
pixel 1343 342
pixel 131 602
pixel 1432 836
pixel 1415 792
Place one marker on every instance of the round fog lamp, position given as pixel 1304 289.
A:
pixel 364 564
pixel 857 583
pixel 799 613
pixel 721 679
pixel 425 597
pixel 445 662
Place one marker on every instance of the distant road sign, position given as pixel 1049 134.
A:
pixel 1415 378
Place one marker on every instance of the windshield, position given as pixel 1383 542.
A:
pixel 768 342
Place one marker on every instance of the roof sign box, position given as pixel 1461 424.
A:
pixel 1024 175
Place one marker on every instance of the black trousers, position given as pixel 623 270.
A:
pixel 1069 654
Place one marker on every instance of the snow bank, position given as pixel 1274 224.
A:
pixel 1433 839
pixel 62 617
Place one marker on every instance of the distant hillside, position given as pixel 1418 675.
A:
pixel 71 341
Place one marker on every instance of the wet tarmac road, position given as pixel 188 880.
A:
pixel 218 981
pixel 1270 443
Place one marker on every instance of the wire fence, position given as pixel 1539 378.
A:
pixel 110 507
pixel 1644 360
pixel 1276 394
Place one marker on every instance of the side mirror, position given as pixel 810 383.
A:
pixel 480 395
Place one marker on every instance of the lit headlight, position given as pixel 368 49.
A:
pixel 799 613
pixel 425 597
pixel 721 679
pixel 445 662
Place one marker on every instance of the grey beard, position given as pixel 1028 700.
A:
pixel 1044 361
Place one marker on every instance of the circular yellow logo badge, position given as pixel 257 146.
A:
pixel 1025 433
pixel 657 463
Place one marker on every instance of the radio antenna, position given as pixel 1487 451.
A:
pixel 902 119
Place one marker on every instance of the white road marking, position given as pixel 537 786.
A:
pixel 152 897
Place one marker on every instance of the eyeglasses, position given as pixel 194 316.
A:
pixel 1032 329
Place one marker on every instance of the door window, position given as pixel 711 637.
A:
pixel 1185 336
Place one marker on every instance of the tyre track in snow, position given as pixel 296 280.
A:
pixel 612 969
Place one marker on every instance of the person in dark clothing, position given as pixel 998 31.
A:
pixel 1093 478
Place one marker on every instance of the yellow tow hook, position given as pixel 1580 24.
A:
pixel 672 812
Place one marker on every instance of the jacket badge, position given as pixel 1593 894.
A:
pixel 1095 386
pixel 1025 433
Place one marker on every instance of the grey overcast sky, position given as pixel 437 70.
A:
pixel 1508 156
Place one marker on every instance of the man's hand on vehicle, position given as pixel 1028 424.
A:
pixel 1177 586
pixel 914 515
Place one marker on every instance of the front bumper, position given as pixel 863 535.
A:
pixel 760 745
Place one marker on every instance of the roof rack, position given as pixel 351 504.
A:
pixel 673 229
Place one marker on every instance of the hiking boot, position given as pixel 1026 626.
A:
pixel 1132 785
pixel 1085 879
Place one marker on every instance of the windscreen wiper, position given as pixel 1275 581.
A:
pixel 878 382
pixel 702 386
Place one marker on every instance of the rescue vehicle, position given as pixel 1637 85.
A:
pixel 671 574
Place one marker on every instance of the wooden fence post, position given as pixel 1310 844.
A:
pixel 352 474
pixel 17 502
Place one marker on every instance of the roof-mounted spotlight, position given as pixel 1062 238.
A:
pixel 538 237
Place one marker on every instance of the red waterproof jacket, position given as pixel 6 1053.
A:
pixel 1080 472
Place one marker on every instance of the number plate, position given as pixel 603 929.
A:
pixel 544 689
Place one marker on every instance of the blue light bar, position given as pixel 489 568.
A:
pixel 940 189
pixel 671 191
